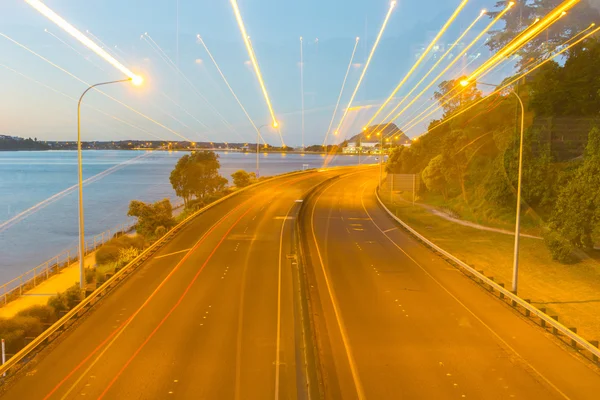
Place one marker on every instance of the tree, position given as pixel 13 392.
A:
pixel 151 216
pixel 197 175
pixel 242 178
pixel 576 214
pixel 434 176
pixel 448 97
pixel 454 159
pixel 523 15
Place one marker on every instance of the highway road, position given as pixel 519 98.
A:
pixel 210 316
pixel 394 321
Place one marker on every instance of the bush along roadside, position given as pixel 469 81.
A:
pixel 21 329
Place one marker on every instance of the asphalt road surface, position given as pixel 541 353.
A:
pixel 395 321
pixel 210 316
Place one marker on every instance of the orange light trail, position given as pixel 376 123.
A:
pixel 454 61
pixel 337 105
pixel 420 60
pixel 148 39
pixel 71 30
pixel 75 100
pixel 516 79
pixel 442 58
pixel 75 50
pixel 88 84
pixel 526 36
pixel 230 88
pixel 416 120
pixel 364 72
pixel 240 21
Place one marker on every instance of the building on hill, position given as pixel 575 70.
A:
pixel 388 131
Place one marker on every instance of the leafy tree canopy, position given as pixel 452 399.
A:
pixel 525 12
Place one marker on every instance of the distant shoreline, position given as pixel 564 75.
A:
pixel 216 150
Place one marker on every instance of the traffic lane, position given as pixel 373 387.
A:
pixel 150 372
pixel 554 360
pixel 403 324
pixel 62 355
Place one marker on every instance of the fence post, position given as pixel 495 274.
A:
pixel 3 354
pixel 20 285
pixel 414 187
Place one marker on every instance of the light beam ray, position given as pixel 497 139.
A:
pixel 75 50
pixel 84 104
pixel 454 61
pixel 253 60
pixel 534 30
pixel 442 58
pixel 230 88
pixel 364 72
pixel 419 60
pixel 302 85
pixel 71 30
pixel 517 78
pixel 88 84
pixel 337 105
pixel 193 87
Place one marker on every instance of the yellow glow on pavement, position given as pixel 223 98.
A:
pixel 529 34
pixel 71 30
pixel 420 60
pixel 240 21
pixel 362 76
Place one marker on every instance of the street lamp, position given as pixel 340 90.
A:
pixel 380 159
pixel 275 125
pixel 515 279
pixel 137 80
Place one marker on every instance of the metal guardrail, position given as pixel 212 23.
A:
pixel 30 279
pixel 576 340
pixel 121 274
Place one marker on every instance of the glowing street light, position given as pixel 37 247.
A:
pixel 71 30
pixel 253 60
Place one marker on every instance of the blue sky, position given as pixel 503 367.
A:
pixel 30 109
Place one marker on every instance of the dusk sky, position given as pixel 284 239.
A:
pixel 275 26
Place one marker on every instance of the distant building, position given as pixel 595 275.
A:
pixel 364 148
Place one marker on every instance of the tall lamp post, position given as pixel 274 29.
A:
pixel 137 81
pixel 515 279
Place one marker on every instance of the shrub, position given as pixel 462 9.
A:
pixel 58 303
pixel 100 277
pixel 90 275
pixel 126 241
pixel 560 248
pixel 42 312
pixel 107 254
pixel 127 255
pixel 15 330
pixel 160 231
pixel 73 296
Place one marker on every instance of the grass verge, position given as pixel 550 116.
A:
pixel 570 291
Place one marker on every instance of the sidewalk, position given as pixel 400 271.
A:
pixel 40 294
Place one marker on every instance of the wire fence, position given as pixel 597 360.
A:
pixel 16 287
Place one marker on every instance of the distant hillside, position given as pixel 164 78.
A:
pixel 389 131
pixel 17 143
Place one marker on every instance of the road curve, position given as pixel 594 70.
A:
pixel 395 321
pixel 210 316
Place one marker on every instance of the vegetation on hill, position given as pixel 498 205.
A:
pixel 469 164
pixel 10 143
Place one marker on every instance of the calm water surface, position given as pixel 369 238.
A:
pixel 30 178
